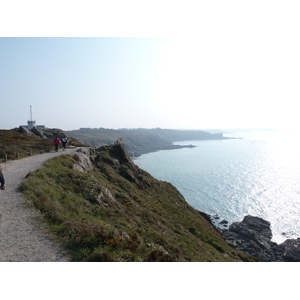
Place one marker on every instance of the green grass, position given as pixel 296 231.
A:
pixel 138 218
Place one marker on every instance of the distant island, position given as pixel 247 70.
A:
pixel 140 141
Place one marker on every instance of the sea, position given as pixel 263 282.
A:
pixel 257 173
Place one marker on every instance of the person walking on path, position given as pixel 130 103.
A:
pixel 2 180
pixel 64 141
pixel 56 142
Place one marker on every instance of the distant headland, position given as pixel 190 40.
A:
pixel 140 141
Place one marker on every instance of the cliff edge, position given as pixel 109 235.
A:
pixel 102 207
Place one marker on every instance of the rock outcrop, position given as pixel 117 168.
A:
pixel 25 130
pixel 253 236
pixel 38 132
pixel 85 158
pixel 123 162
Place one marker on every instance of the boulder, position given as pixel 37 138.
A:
pixel 253 237
pixel 38 132
pixel 104 197
pixel 291 250
pixel 84 158
pixel 23 129
pixel 259 225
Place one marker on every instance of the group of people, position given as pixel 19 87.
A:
pixel 57 141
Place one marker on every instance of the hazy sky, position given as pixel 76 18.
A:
pixel 215 64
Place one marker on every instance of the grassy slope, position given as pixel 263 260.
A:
pixel 15 144
pixel 118 212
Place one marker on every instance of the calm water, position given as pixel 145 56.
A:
pixel 257 175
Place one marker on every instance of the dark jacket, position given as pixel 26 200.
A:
pixel 2 180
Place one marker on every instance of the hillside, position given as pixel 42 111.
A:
pixel 21 142
pixel 141 141
pixel 102 207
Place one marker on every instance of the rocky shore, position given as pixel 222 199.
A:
pixel 253 236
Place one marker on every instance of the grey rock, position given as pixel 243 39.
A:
pixel 292 250
pixel 258 224
pixel 23 129
pixel 224 222
pixel 253 236
pixel 38 132
pixel 105 197
pixel 84 158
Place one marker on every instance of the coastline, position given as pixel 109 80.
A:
pixel 135 154
pixel 253 236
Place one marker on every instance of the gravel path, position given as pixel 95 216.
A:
pixel 20 238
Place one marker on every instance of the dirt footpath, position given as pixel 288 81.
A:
pixel 21 240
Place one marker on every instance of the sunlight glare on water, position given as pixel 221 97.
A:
pixel 257 175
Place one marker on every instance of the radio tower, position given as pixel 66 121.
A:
pixel 30 122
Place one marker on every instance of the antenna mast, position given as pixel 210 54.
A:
pixel 30 122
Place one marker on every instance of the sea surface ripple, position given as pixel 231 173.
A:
pixel 258 174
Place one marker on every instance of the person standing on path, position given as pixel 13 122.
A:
pixel 64 141
pixel 56 142
pixel 2 180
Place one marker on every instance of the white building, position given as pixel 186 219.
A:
pixel 31 123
